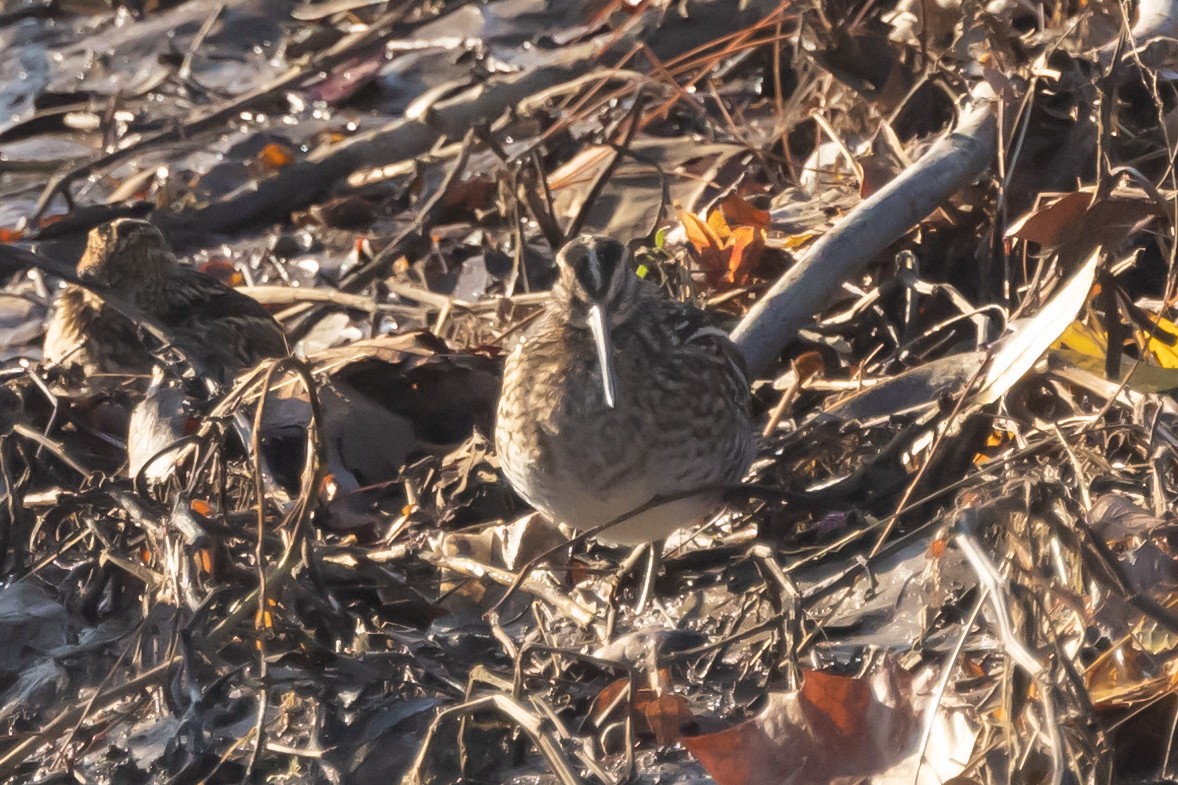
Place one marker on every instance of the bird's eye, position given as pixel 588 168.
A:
pixel 609 256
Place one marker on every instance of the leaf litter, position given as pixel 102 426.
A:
pixel 942 234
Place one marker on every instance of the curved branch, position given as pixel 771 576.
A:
pixel 952 163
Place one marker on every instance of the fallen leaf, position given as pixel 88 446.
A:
pixel 700 234
pixel 666 715
pixel 1017 351
pixel 738 212
pixel 1055 221
pixel 1165 354
pixel 834 727
pixel 719 226
pixel 275 156
pixel 747 243
pixel 223 270
pixel 839 700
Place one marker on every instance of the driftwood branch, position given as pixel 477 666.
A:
pixel 951 163
pixel 884 217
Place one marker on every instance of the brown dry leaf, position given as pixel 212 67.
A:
pixel 808 365
pixel 1121 522
pixel 1122 214
pixel 581 168
pixel 660 712
pixel 839 700
pixel 834 727
pixel 666 715
pixel 1076 216
pixel 1055 222
pixel 738 212
pixel 877 170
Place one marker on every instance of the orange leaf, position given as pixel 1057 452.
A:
pixel 738 212
pixel 660 711
pixel 606 698
pixel 666 715
pixel 747 243
pixel 204 560
pixel 10 235
pixel 719 225
pixel 223 270
pixel 699 234
pixel 275 156
pixel 834 729
pixel 265 620
pixel 839 700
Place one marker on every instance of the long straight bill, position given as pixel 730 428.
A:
pixel 605 355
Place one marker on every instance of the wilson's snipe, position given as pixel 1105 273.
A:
pixel 221 330
pixel 618 396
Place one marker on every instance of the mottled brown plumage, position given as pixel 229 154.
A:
pixel 222 331
pixel 679 418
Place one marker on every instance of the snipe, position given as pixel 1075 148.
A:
pixel 222 330
pixel 618 396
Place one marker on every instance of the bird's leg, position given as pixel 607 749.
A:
pixel 650 556
pixel 614 579
pixel 654 559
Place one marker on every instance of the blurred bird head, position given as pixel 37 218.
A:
pixel 128 256
pixel 600 292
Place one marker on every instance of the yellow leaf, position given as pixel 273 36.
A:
pixel 1166 356
pixel 1079 337
pixel 795 240
pixel 1137 376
